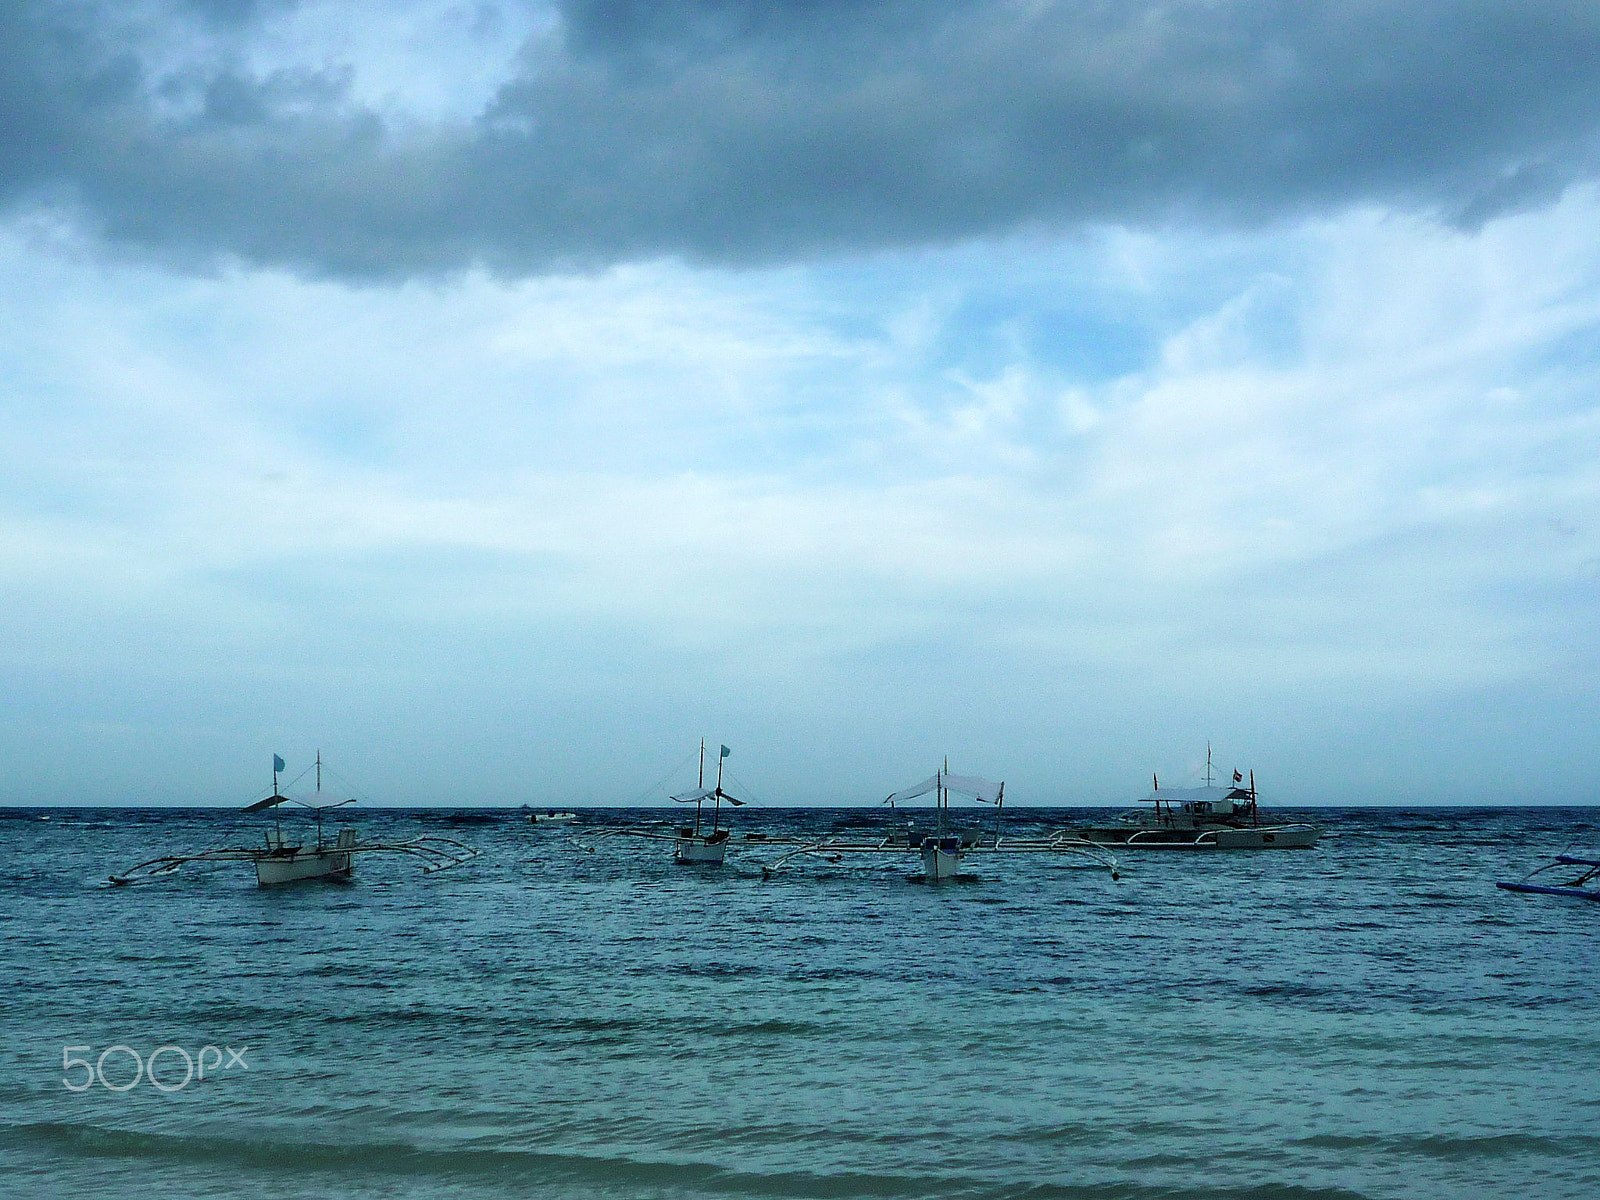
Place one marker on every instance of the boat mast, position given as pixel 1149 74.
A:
pixel 1208 762
pixel 319 798
pixel 700 786
pixel 716 809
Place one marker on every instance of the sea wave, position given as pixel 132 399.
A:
pixel 380 1165
pixel 1583 1147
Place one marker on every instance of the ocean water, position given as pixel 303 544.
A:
pixel 1371 1018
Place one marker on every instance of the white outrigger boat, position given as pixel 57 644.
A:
pixel 708 848
pixel 943 850
pixel 692 845
pixel 287 859
pixel 1211 817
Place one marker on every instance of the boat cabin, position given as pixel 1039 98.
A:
pixel 1211 808
pixel 1190 807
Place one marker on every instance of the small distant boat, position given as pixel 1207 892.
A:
pixel 1585 887
pixel 942 851
pixel 284 862
pixel 289 859
pixel 697 847
pixel 1212 817
pixel 700 844
pixel 550 816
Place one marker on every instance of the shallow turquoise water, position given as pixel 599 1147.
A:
pixel 1369 1018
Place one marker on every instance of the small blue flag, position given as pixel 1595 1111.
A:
pixel 277 763
pixel 726 752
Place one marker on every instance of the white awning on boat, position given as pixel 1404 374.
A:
pixel 1186 795
pixel 271 801
pixel 971 785
pixel 697 794
pixel 915 790
pixel 963 785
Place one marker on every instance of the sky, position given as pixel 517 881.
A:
pixel 501 397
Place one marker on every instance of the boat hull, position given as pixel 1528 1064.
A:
pixel 699 852
pixel 941 859
pixel 275 869
pixel 1579 893
pixel 1279 837
pixel 1223 837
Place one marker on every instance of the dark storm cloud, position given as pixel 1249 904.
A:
pixel 729 130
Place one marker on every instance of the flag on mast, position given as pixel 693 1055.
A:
pixel 1237 778
pixel 277 763
pixel 726 752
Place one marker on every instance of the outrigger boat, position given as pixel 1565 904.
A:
pixel 943 850
pixel 693 845
pixel 1585 887
pixel 550 816
pixel 708 848
pixel 1212 817
pixel 285 859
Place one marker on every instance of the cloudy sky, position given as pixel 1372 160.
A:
pixel 502 396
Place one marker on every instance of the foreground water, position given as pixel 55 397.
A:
pixel 1371 1018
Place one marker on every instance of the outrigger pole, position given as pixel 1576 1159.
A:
pixel 318 805
pixel 277 809
pixel 941 797
pixel 700 784
pixel 435 854
pixel 716 808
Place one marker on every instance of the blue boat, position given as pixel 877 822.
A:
pixel 1584 887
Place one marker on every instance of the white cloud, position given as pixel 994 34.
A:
pixel 851 512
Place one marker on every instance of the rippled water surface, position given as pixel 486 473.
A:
pixel 1369 1018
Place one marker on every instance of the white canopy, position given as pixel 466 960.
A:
pixel 971 785
pixel 964 785
pixel 697 794
pixel 1184 795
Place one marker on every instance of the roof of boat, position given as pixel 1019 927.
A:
pixel 967 785
pixel 1186 795
pixel 270 802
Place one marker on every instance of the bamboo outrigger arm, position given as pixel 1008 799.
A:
pixel 1061 843
pixel 168 863
pixel 660 832
pixel 435 854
